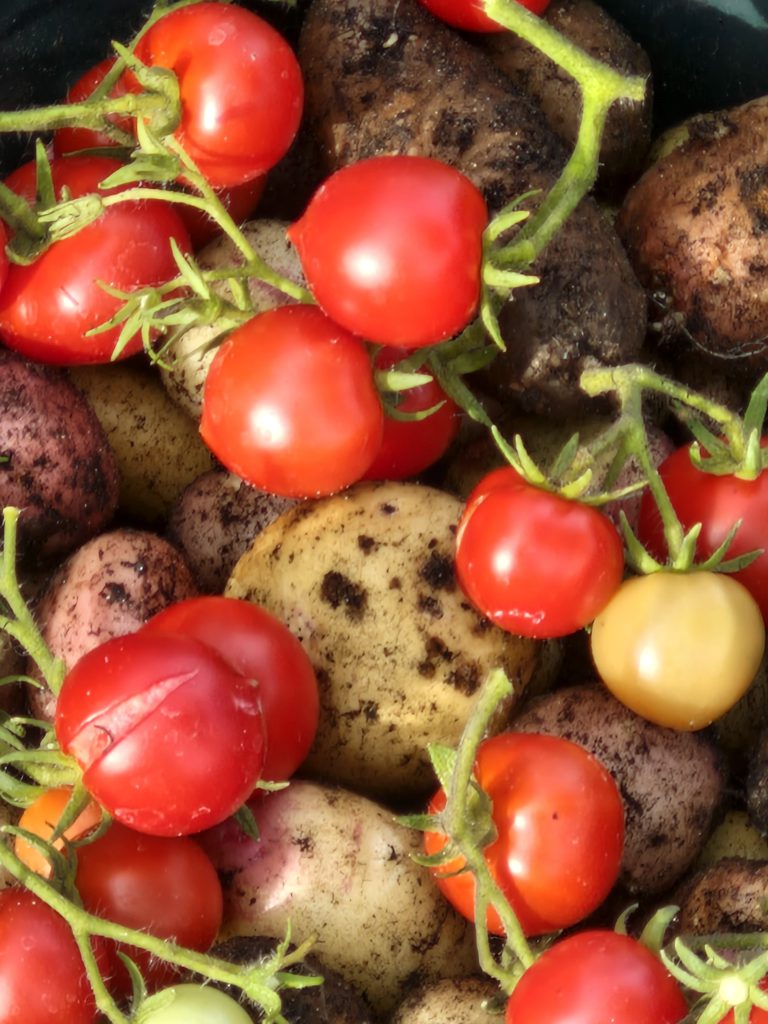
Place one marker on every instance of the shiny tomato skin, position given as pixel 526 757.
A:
pixel 290 404
pixel 533 562
pixel 391 248
pixel 242 92
pixel 559 819
pixel 42 978
pixel 164 885
pixel 596 977
pixel 408 447
pixel 259 647
pixel 717 502
pixel 151 720
pixel 680 649
pixel 469 15
pixel 47 307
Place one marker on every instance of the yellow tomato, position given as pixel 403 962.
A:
pixel 42 817
pixel 679 648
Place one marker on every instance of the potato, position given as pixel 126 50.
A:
pixel 757 785
pixel 157 446
pixel 671 782
pixel 333 864
pixel 727 897
pixel 366 581
pixel 627 133
pixel 735 836
pixel 186 361
pixel 694 228
pixel 55 461
pixel 474 1000
pixel 109 587
pixel 215 519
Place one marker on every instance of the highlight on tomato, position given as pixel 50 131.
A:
pixel 680 649
pixel 535 563
pixel 290 404
pixel 392 249
pixel 151 721
pixel 48 307
pixel 559 822
pixel 470 14
pixel 260 648
pixel 242 92
pixel 596 977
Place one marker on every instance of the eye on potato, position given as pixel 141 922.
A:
pixel 365 580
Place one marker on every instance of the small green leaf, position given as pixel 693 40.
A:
pixel 443 760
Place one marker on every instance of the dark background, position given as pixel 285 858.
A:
pixel 706 53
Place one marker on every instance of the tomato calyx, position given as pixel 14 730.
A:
pixel 721 984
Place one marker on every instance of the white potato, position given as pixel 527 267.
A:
pixel 157 446
pixel 332 864
pixel 452 1001
pixel 366 581
pixel 186 361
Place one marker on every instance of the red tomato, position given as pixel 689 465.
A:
pixel 408 447
pixel 169 737
pixel 596 977
pixel 47 307
pixel 290 404
pixel 42 817
pixel 3 256
pixel 392 249
pixel 242 92
pixel 535 563
pixel 756 1015
pixel 259 647
pixel 42 978
pixel 166 886
pixel 470 15
pixel 559 819
pixel 717 502
pixel 70 140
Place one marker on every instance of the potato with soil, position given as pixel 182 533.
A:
pixel 385 78
pixel 757 785
pixel 158 448
pixel 365 580
pixel 214 521
pixel 336 865
pixel 730 896
pixel 56 463
pixel 627 133
pixel 694 226
pixel 475 1000
pixel 109 587
pixel 671 782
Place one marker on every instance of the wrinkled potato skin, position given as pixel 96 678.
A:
pixel 214 522
pixel 727 897
pixel 109 587
pixel 671 782
pixel 695 227
pixel 366 582
pixel 627 133
pixel 338 866
pixel 157 446
pixel 384 78
pixel 450 1001
pixel 57 464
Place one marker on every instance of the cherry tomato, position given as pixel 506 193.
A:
pixel 290 404
pixel 197 1004
pixel 166 886
pixel 717 502
pixel 42 817
pixel 259 647
pixel 559 820
pixel 679 648
pixel 42 978
pixel 242 92
pixel 3 255
pixel 533 562
pixel 596 977
pixel 756 1015
pixel 47 307
pixel 392 249
pixel 470 14
pixel 408 447
pixel 152 720
pixel 71 139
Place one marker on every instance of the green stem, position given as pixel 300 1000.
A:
pixel 18 214
pixel 104 1001
pixel 86 114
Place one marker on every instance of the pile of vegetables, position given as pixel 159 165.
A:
pixel 384 577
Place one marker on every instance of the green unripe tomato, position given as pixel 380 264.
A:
pixel 194 1004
